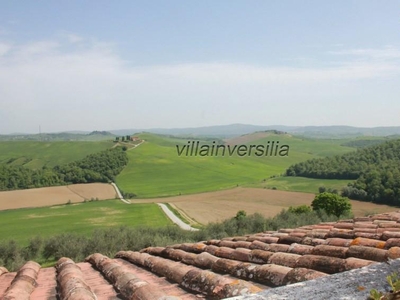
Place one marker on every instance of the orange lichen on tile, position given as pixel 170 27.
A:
pixel 360 241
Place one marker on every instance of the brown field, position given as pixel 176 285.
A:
pixel 220 205
pixel 55 195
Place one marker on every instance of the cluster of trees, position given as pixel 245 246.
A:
pixel 111 240
pixel 98 167
pixel 376 171
pixel 326 202
pixel 364 143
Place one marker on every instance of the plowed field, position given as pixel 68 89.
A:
pixel 55 195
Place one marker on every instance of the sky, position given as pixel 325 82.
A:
pixel 107 65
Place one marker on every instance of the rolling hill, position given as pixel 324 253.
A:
pixel 156 169
pixel 233 130
pixel 35 155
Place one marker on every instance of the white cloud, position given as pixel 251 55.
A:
pixel 4 48
pixel 73 38
pixel 90 87
pixel 388 52
pixel 35 50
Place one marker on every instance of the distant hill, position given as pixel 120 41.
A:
pixel 234 130
pixel 61 136
pixel 218 131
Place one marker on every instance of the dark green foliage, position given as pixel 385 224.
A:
pixel 99 167
pixel 376 171
pixel 110 240
pixel 127 195
pixel 323 189
pixel 300 209
pixel 17 177
pixel 354 193
pixel 364 143
pixel 332 204
pixel 11 255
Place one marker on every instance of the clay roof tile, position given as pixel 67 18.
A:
pixel 326 250
pixel 23 283
pixel 3 270
pixel 367 253
pixel 320 263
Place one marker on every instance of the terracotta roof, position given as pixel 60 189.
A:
pixel 216 268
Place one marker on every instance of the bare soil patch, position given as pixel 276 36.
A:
pixel 55 195
pixel 220 205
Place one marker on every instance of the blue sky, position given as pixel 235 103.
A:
pixel 102 65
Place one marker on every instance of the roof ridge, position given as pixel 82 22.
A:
pixel 192 278
pixel 23 283
pixel 71 282
pixel 126 282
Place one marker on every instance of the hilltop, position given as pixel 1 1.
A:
pixel 60 136
pixel 217 131
pixel 234 130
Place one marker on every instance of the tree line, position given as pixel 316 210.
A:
pixel 375 169
pixel 98 167
pixel 110 240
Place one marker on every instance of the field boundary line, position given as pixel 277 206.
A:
pixel 184 215
pixel 76 193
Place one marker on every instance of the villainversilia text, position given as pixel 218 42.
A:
pixel 270 148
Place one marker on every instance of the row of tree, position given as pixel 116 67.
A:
pixel 376 171
pixel 112 239
pixel 98 167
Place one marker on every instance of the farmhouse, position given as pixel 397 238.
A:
pixel 335 260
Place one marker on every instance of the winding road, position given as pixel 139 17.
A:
pixel 165 208
pixel 175 219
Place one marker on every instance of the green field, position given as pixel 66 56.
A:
pixel 300 184
pixel 35 155
pixel 23 224
pixel 156 170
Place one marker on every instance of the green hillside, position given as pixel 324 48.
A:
pixel 155 168
pixel 375 169
pixel 35 155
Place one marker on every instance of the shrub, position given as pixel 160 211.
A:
pixel 300 209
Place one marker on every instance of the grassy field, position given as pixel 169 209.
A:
pixel 156 170
pixel 23 224
pixel 35 155
pixel 300 184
